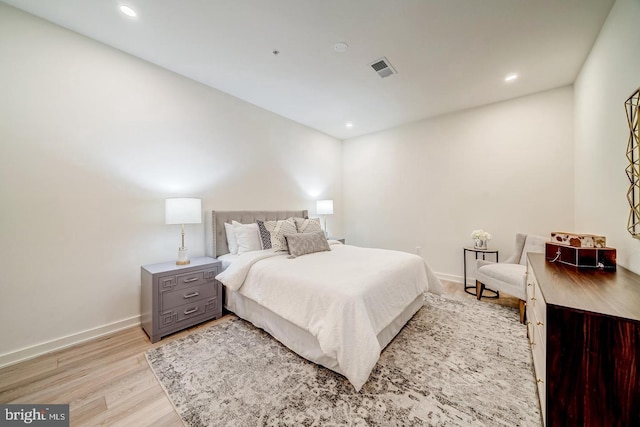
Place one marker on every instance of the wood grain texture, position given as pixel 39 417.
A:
pixel 592 357
pixel 108 382
pixel 612 293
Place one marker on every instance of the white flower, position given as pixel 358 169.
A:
pixel 480 235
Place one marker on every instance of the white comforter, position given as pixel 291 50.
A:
pixel 343 297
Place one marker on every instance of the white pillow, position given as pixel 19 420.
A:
pixel 232 240
pixel 248 237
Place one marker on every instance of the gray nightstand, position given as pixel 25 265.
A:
pixel 339 239
pixel 175 297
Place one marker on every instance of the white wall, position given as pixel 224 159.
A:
pixel 610 74
pixel 92 141
pixel 506 168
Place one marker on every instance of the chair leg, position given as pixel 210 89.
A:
pixel 479 289
pixel 523 313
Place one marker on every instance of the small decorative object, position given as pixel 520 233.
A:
pixel 480 238
pixel 579 240
pixel 632 105
pixel 183 211
pixel 581 257
pixel 580 250
pixel 324 207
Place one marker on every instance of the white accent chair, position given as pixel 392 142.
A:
pixel 510 276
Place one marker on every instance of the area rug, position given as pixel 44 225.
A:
pixel 457 362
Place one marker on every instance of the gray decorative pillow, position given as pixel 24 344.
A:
pixel 307 243
pixel 306 225
pixel 265 236
pixel 277 231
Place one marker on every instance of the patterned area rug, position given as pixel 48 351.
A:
pixel 457 362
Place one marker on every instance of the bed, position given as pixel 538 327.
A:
pixel 337 308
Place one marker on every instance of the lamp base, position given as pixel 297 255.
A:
pixel 183 257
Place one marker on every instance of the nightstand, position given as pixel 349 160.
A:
pixel 175 297
pixel 339 239
pixel 484 253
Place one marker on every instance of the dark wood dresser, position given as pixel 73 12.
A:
pixel 584 330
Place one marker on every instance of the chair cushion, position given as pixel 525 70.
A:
pixel 510 273
pixel 533 244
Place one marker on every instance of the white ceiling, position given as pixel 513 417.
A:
pixel 449 54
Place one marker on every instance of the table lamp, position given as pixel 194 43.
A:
pixel 183 211
pixel 324 208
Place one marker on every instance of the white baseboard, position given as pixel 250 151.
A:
pixel 471 281
pixel 27 353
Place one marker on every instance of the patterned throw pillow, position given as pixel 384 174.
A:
pixel 277 231
pixel 306 225
pixel 307 243
pixel 265 236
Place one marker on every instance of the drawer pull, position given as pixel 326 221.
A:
pixel 191 295
pixel 193 279
pixel 193 310
pixel 539 380
pixel 533 343
pixel 533 298
pixel 529 284
pixel 539 323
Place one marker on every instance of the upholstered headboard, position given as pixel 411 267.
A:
pixel 219 244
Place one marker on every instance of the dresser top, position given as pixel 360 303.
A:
pixel 163 267
pixel 612 293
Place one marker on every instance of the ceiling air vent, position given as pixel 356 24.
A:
pixel 383 67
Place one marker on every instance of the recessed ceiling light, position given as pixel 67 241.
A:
pixel 348 124
pixel 340 47
pixel 128 11
pixel 511 77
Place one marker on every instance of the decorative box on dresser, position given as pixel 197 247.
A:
pixel 584 330
pixel 175 297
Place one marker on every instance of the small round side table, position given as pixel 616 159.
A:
pixel 484 253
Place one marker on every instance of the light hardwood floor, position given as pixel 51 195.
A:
pixel 107 381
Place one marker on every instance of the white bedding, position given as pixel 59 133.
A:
pixel 227 260
pixel 343 297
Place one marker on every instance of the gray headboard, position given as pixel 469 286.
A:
pixel 218 218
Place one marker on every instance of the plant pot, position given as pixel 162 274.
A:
pixel 479 244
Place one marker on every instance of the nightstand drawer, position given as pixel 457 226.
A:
pixel 180 281
pixel 189 311
pixel 187 295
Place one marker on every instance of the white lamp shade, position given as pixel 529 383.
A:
pixel 324 207
pixel 183 211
